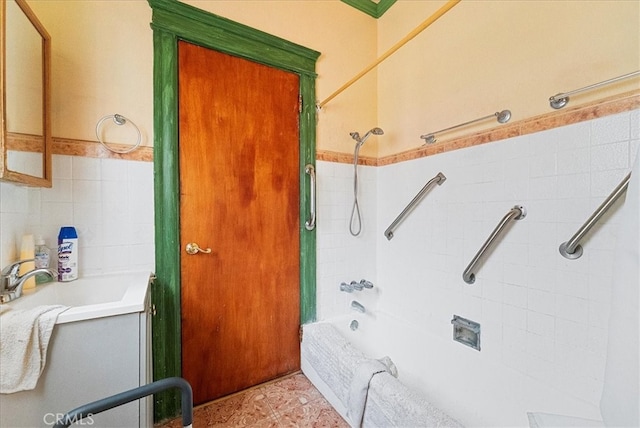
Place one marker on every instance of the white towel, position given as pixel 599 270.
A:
pixel 359 388
pixel 24 337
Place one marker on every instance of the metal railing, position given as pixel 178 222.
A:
pixel 84 412
pixel 560 100
pixel 438 179
pixel 572 249
pixel 501 116
pixel 516 213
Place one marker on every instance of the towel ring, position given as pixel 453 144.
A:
pixel 119 120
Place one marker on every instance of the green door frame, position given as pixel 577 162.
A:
pixel 173 21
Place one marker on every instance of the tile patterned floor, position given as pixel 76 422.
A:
pixel 291 401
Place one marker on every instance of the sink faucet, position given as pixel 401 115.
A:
pixel 11 282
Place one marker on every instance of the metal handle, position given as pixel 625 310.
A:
pixel 502 117
pixel 560 100
pixel 193 248
pixel 438 179
pixel 516 213
pixel 310 224
pixel 12 269
pixel 572 249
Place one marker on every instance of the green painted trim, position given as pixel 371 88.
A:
pixel 166 289
pixel 307 238
pixel 224 35
pixel 370 7
pixel 173 21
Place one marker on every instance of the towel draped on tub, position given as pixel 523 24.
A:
pixel 24 338
pixel 359 388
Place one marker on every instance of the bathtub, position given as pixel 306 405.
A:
pixel 331 349
pixel 100 346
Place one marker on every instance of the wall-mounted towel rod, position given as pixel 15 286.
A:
pixel 516 213
pixel 572 248
pixel 502 117
pixel 560 100
pixel 438 179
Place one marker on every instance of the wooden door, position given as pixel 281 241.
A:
pixel 239 196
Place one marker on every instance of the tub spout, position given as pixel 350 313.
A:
pixel 357 306
pixel 12 282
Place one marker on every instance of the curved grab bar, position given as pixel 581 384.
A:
pixel 572 249
pixel 78 414
pixel 516 213
pixel 310 224
pixel 438 179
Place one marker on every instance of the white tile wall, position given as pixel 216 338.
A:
pixel 340 256
pixel 109 201
pixel 544 318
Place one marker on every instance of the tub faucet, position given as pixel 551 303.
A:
pixel 348 288
pixel 366 284
pixel 11 282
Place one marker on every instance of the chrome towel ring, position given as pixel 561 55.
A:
pixel 119 120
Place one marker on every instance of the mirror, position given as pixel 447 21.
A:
pixel 25 128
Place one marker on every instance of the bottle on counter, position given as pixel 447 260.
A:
pixel 67 254
pixel 42 260
pixel 27 253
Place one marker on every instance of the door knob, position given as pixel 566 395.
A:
pixel 193 248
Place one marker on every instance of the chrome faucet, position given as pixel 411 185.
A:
pixel 357 286
pixel 11 282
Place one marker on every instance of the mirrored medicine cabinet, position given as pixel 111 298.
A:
pixel 25 125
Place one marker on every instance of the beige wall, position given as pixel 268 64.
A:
pixel 481 57
pixel 486 56
pixel 103 60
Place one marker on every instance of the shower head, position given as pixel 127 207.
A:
pixel 360 141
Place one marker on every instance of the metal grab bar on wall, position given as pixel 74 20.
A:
pixel 311 223
pixel 438 179
pixel 572 249
pixel 516 213
pixel 501 116
pixel 560 100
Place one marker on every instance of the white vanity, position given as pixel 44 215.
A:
pixel 100 346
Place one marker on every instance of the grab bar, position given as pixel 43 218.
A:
pixel 78 414
pixel 516 213
pixel 438 179
pixel 572 249
pixel 502 117
pixel 560 100
pixel 310 224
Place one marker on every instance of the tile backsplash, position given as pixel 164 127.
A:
pixel 109 201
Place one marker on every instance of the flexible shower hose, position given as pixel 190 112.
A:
pixel 355 211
